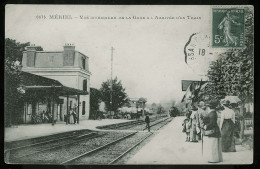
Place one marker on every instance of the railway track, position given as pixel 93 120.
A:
pixel 77 160
pixel 134 125
pixel 17 153
pixel 34 141
pixel 102 147
pixel 160 124
pixel 113 151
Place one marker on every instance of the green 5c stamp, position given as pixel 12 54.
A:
pixel 228 27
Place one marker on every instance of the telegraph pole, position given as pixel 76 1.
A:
pixel 111 85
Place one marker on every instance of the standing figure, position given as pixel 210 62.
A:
pixel 186 127
pixel 74 116
pixel 202 113
pixel 68 118
pixel 225 24
pixel 227 126
pixel 237 119
pixel 71 116
pixel 212 136
pixel 147 121
pixel 193 120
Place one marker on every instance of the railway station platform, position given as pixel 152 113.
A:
pixel 27 131
pixel 168 146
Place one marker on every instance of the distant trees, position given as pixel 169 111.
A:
pixel 95 99
pixel 119 96
pixel 160 109
pixel 154 106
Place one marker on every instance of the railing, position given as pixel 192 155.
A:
pixel 249 123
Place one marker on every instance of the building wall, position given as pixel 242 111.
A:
pixel 52 65
pixel 53 59
pixel 75 81
pixel 44 59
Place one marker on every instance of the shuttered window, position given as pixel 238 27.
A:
pixel 85 85
pixel 84 63
pixel 83 108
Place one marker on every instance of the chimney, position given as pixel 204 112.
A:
pixel 69 46
pixel 31 54
pixel 32 47
pixel 68 54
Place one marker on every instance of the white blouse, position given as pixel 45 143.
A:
pixel 227 113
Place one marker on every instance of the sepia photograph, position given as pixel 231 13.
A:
pixel 129 84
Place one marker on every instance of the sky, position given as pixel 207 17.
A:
pixel 149 53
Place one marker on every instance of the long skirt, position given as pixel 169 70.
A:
pixel 212 150
pixel 227 136
pixel 71 119
pixel 193 133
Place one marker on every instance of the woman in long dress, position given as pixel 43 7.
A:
pixel 227 126
pixel 212 142
pixel 193 120
pixel 71 118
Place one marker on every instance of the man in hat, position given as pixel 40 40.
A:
pixel 147 121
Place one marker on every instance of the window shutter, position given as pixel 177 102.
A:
pixel 85 85
pixel 83 107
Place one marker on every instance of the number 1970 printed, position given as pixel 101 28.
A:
pixel 228 28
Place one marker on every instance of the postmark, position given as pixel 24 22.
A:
pixel 228 28
pixel 197 52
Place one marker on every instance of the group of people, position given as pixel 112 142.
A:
pixel 46 117
pixel 71 117
pixel 216 129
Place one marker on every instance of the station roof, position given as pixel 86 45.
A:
pixel 36 83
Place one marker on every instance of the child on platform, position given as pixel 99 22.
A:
pixel 186 127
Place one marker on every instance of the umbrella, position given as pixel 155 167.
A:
pixel 232 99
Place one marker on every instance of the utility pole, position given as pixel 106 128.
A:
pixel 111 85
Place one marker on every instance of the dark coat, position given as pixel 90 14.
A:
pixel 211 123
pixel 147 119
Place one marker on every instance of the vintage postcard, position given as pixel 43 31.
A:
pixel 128 84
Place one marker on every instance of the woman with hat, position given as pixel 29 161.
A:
pixel 211 132
pixel 194 120
pixel 202 112
pixel 227 126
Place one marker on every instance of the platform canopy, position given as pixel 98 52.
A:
pixel 36 83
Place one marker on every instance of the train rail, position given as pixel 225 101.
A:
pixel 75 159
pixel 15 154
pixel 100 147
pixel 114 150
pixel 34 141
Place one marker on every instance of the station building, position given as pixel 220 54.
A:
pixel 62 78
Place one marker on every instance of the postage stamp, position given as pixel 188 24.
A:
pixel 228 27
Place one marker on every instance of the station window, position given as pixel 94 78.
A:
pixel 84 63
pixel 83 108
pixel 85 85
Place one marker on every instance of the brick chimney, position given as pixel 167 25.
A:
pixel 68 54
pixel 31 54
pixel 69 46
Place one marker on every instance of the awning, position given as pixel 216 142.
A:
pixel 35 83
pixel 60 90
